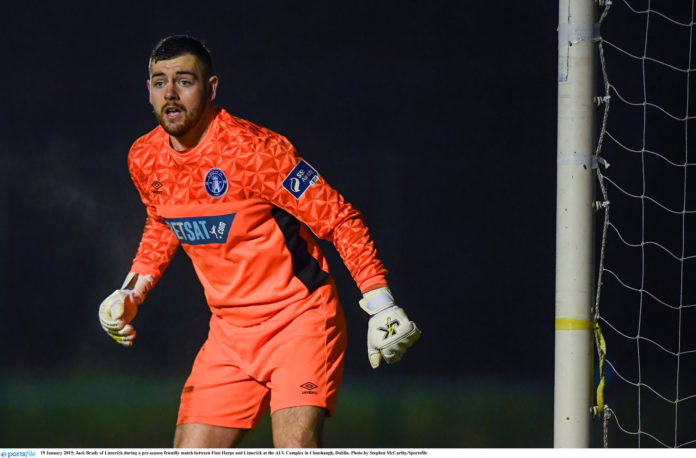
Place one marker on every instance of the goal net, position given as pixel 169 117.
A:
pixel 646 290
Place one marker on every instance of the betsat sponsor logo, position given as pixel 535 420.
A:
pixel 201 230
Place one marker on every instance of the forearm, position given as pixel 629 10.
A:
pixel 156 250
pixel 352 240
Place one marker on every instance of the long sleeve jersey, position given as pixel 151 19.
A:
pixel 240 204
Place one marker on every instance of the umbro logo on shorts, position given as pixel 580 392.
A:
pixel 309 388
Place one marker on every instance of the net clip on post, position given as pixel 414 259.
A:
pixel 588 161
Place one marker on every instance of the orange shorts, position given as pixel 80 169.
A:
pixel 295 358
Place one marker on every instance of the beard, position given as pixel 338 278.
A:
pixel 188 120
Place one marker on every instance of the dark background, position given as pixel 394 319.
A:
pixel 437 120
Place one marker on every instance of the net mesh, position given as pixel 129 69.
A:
pixel 647 255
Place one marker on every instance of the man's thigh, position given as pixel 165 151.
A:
pixel 195 435
pixel 298 427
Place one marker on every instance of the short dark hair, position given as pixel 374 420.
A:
pixel 178 45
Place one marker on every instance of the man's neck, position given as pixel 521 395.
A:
pixel 195 135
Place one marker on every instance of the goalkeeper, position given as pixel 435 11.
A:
pixel 241 203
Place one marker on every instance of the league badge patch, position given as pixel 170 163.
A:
pixel 302 177
pixel 215 183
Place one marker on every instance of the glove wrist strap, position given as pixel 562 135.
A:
pixel 377 300
pixel 139 284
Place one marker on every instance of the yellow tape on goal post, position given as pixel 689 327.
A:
pixel 573 324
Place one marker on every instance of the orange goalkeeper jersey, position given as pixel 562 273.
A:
pixel 240 203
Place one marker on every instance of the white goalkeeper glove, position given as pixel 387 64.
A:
pixel 389 332
pixel 119 308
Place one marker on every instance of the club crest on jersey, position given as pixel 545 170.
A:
pixel 215 183
pixel 300 178
pixel 201 230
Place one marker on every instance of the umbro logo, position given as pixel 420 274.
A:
pixel 156 186
pixel 309 388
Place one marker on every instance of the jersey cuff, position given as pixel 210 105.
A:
pixel 144 270
pixel 373 284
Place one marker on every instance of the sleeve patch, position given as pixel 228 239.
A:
pixel 300 178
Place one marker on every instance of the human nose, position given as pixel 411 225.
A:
pixel 170 92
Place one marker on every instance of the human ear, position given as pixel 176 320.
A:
pixel 212 88
pixel 149 92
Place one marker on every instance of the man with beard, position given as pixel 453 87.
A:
pixel 241 203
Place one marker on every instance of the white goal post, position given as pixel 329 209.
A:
pixel 573 373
